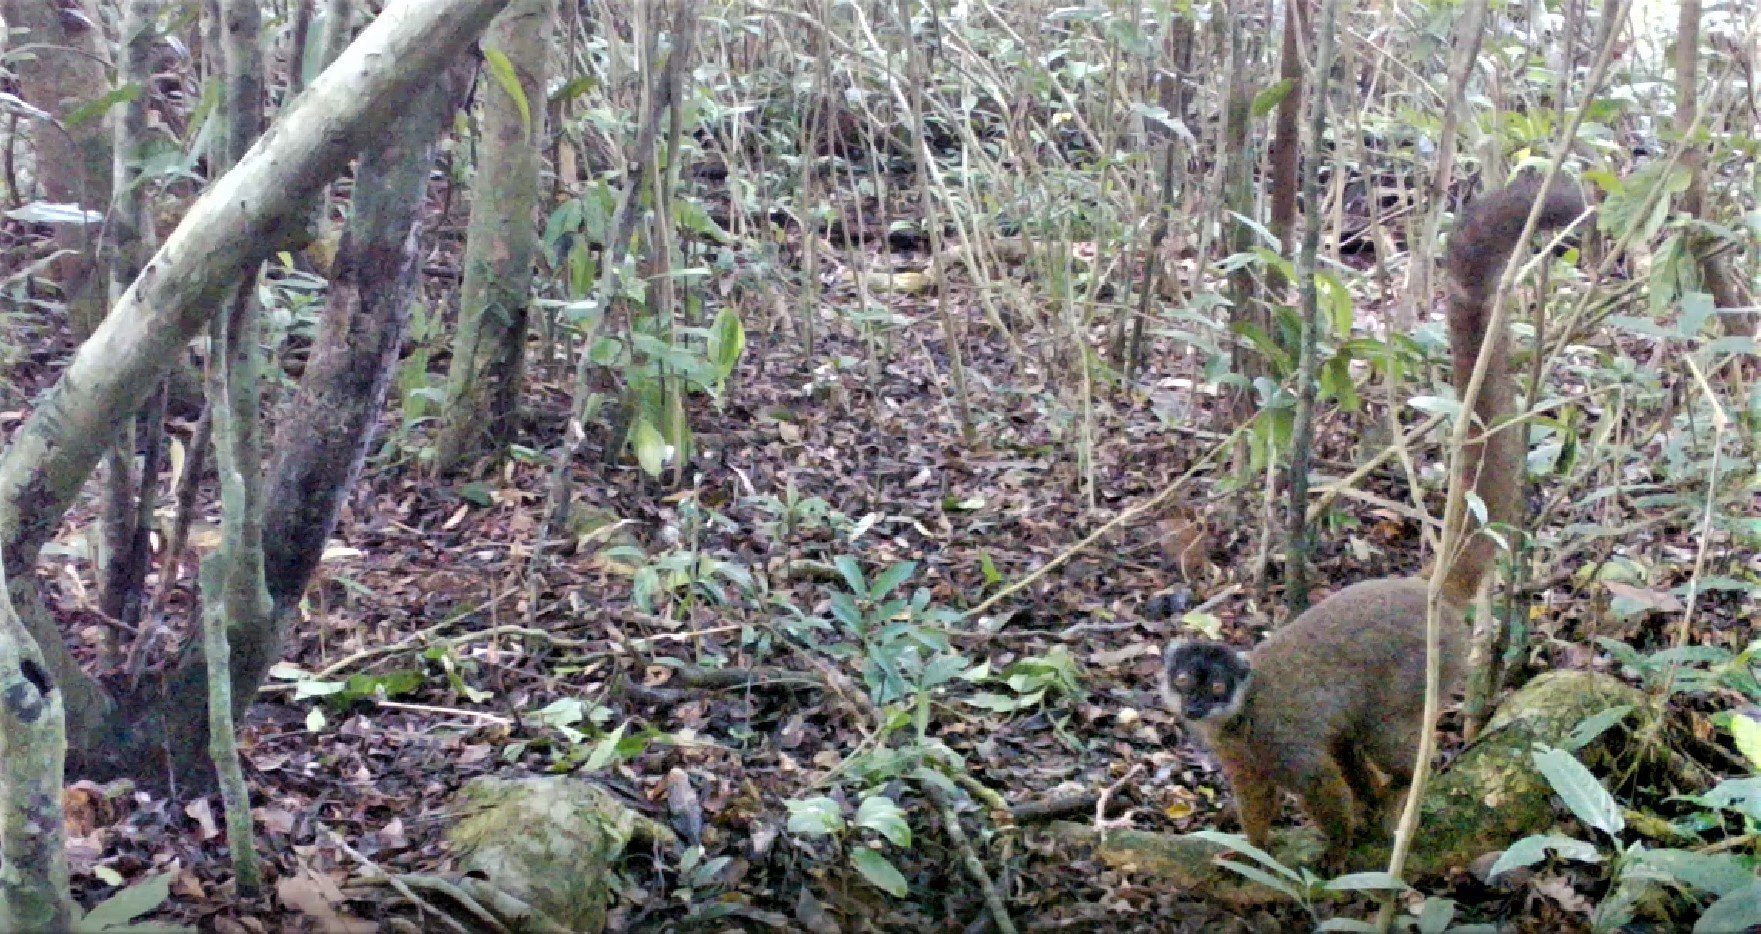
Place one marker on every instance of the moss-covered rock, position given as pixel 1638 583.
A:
pixel 548 841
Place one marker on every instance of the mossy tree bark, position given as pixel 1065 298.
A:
pixel 244 216
pixel 33 744
pixel 489 350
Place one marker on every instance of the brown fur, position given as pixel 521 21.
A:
pixel 1339 692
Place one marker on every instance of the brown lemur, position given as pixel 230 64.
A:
pixel 1342 686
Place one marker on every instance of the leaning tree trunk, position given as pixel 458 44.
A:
pixel 488 356
pixel 252 211
pixel 327 426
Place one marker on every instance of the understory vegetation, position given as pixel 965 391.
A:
pixel 882 384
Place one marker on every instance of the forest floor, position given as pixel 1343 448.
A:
pixel 420 573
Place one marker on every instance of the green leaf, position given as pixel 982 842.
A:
pixel 94 109
pixel 1262 877
pixel 652 451
pixel 1737 911
pixel 988 568
pixel 727 341
pixel 1644 327
pixel 1747 734
pixel 816 816
pixel 315 688
pixel 1436 405
pixel 852 572
pixel 128 904
pixel 875 868
pixel 1530 850
pixel 1580 790
pixel 1714 873
pixel 880 814
pixel 1696 307
pixel 1742 795
pixel 1435 916
pixel 1735 344
pixel 691 216
pixel 1239 844
pixel 1264 101
pixel 1334 302
pixel 891 578
pixel 1347 924
pixel 1595 725
pixel 502 71
pixel 606 749
pixel 844 609
pixel 1367 882
pixel 1000 703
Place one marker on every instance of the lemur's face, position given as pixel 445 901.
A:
pixel 1204 680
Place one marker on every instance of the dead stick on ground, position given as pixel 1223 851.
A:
pixel 374 869
pixel 975 866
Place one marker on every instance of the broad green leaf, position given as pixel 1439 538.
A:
pixel 502 71
pixel 652 451
pixel 314 688
pixel 1262 877
pixel 1239 844
pixel 93 109
pixel 1435 916
pixel 1530 850
pixel 1436 405
pixel 1264 101
pixel 1595 725
pixel 727 340
pixel 891 578
pixel 1696 307
pixel 852 573
pixel 1738 911
pixel 1580 790
pixel 1715 873
pixel 880 814
pixel 1644 327
pixel 815 816
pixel 128 904
pixel 875 868
pixel 1747 734
pixel 1000 703
pixel 1334 302
pixel 606 749
pixel 1367 882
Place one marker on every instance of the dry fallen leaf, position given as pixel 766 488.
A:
pixel 316 896
pixel 202 813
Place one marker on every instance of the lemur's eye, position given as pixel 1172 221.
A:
pixel 1219 689
pixel 1183 682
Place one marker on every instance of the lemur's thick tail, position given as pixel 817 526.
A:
pixel 1483 241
